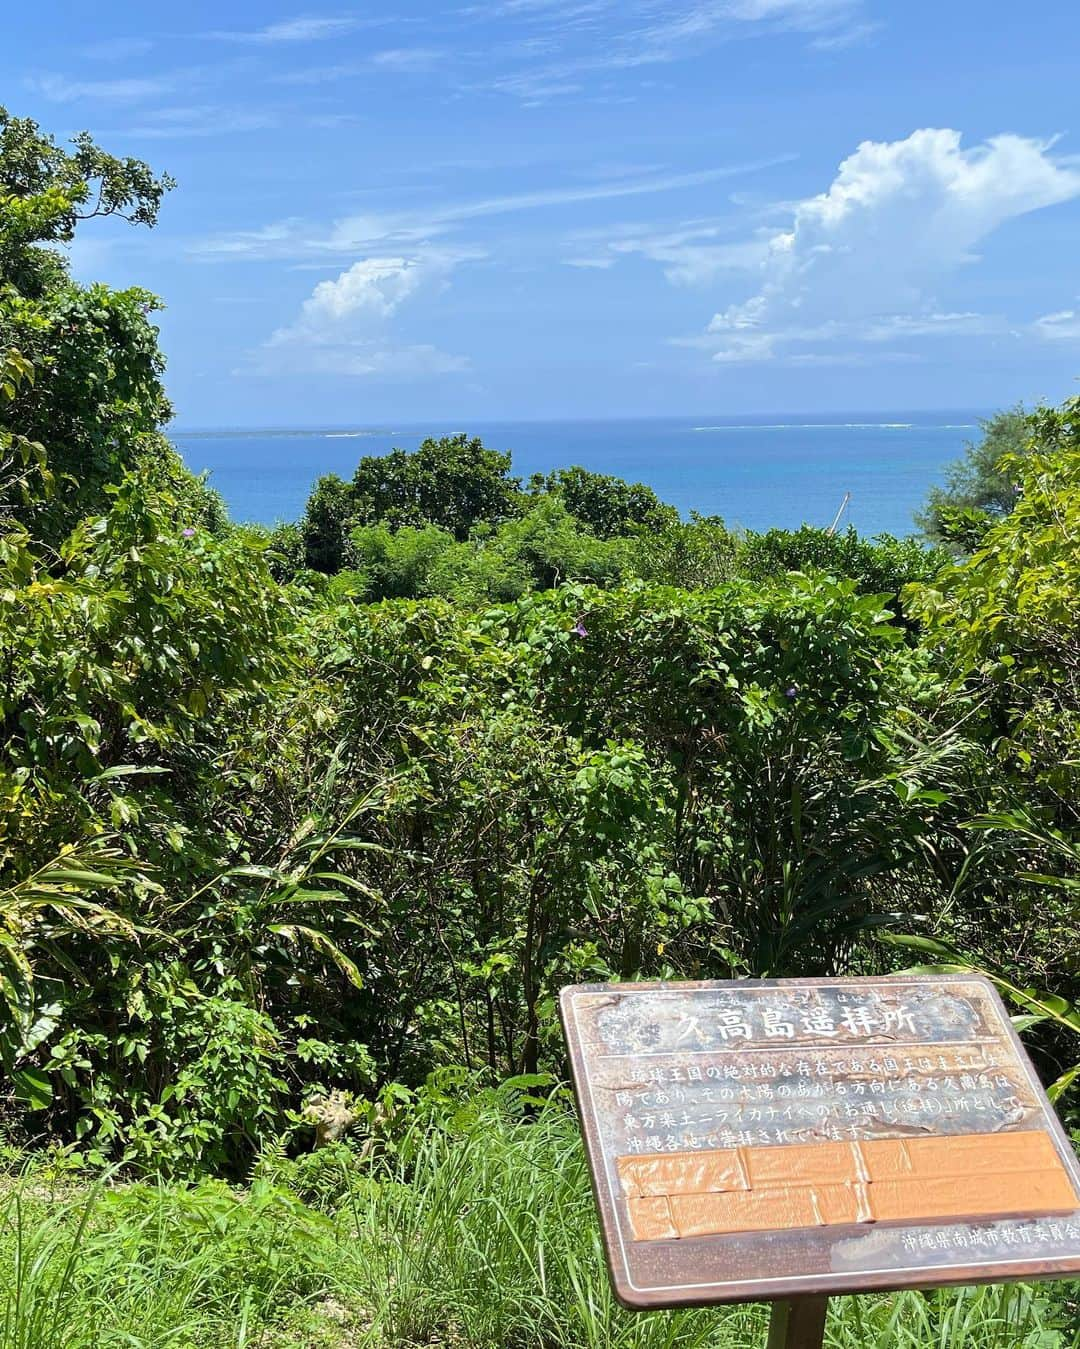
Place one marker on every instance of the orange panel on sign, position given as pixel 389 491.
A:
pixel 782 1187
pixel 684 1172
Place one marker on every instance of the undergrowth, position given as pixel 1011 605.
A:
pixel 475 1231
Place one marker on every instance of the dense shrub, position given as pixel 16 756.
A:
pixel 1005 626
pixel 882 565
pixel 335 806
pixel 697 554
pixel 1009 618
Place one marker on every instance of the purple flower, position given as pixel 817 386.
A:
pixel 188 533
pixel 792 692
pixel 580 628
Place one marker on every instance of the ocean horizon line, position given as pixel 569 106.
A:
pixel 748 422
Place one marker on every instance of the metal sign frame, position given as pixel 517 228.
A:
pixel 703 1269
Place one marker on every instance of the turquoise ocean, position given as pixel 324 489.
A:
pixel 755 472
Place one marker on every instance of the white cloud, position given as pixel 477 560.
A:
pixel 968 324
pixel 391 61
pixel 1064 326
pixel 693 254
pixel 342 327
pixel 375 286
pixel 316 75
pixel 296 238
pixel 602 191
pixel 360 358
pixel 204 120
pixel 303 29
pixel 864 259
pixel 118 48
pixel 689 18
pixel 853 36
pixel 635 34
pixel 408 60
pixel 59 89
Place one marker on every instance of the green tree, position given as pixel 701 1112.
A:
pixel 605 504
pixel 1005 628
pixel 980 487
pixel 550 545
pixel 453 481
pixel 96 394
pixel 23 471
pixel 398 564
pixel 695 554
pixel 45 191
pixel 324 530
pixel 544 547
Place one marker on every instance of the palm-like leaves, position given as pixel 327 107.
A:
pixel 52 902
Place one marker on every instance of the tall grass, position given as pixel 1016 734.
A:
pixel 145 1265
pixel 485 1234
pixel 477 1231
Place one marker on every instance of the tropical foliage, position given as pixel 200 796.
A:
pixel 316 815
pixel 980 487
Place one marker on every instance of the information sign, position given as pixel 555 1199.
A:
pixel 778 1139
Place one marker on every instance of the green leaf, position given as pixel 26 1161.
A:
pixel 914 943
pixel 1058 1089
pixel 299 932
pixel 32 1086
pixel 73 876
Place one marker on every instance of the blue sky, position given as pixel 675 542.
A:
pixel 490 209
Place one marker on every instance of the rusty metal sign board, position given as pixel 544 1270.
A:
pixel 762 1140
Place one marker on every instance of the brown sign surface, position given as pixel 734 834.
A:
pixel 768 1139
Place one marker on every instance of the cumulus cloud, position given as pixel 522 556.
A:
pixel 343 325
pixel 864 259
pixel 372 286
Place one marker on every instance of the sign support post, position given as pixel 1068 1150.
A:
pixel 798 1323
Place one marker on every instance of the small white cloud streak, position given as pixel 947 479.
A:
pixel 408 60
pixel 303 29
pixel 1063 326
pixel 198 122
pixel 118 48
pixel 694 255
pixel 635 34
pixel 291 239
pixel 59 89
pixel 359 359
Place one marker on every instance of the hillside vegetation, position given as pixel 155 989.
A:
pixel 302 830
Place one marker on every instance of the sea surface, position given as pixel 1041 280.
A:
pixel 755 472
